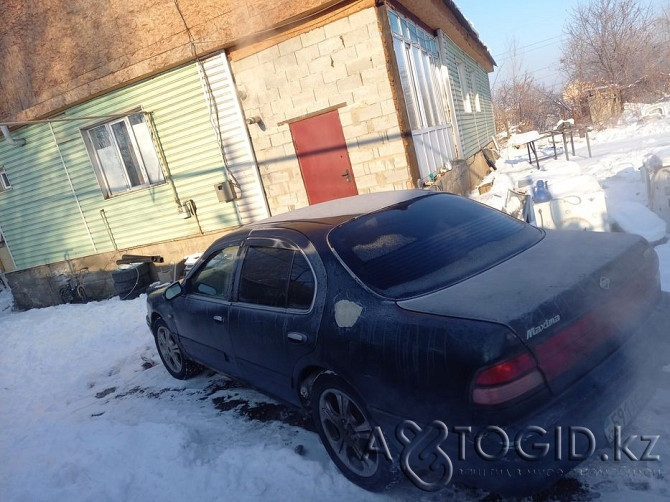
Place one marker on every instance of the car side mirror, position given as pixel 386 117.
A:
pixel 173 291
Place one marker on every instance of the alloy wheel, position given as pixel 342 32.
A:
pixel 167 344
pixel 347 430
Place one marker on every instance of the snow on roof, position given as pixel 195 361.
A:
pixel 469 26
pixel 358 204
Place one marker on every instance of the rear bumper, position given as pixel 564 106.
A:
pixel 521 458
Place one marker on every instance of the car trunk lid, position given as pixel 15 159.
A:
pixel 572 299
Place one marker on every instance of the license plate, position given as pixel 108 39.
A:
pixel 624 414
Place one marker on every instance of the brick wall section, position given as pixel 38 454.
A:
pixel 342 62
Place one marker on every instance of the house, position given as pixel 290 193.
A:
pixel 153 127
pixel 595 104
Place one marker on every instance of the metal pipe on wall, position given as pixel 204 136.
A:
pixel 161 154
pixel 108 228
pixel 9 139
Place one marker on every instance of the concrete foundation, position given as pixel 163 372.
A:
pixel 39 286
pixel 465 175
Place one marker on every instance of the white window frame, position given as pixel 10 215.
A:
pixel 112 169
pixel 419 64
pixel 4 180
pixel 474 85
pixel 421 58
pixel 466 86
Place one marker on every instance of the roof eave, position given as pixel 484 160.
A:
pixel 451 5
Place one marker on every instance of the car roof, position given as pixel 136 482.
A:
pixel 347 206
pixel 319 218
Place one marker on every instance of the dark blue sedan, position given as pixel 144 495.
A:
pixel 430 335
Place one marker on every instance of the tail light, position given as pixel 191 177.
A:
pixel 621 313
pixel 507 380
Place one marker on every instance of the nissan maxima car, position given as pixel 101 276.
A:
pixel 430 335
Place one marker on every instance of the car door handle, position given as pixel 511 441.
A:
pixel 218 318
pixel 296 337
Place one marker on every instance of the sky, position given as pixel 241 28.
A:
pixel 536 27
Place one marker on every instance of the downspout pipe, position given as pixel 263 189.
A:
pixel 9 139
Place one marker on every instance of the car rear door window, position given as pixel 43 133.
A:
pixel 276 277
pixel 215 278
pixel 301 285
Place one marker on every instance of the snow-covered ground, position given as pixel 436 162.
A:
pixel 87 412
pixel 617 156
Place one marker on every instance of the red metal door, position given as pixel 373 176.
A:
pixel 323 157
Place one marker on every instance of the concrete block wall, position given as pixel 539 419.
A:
pixel 466 174
pixel 341 62
pixel 38 287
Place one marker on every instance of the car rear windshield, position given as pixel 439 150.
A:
pixel 429 243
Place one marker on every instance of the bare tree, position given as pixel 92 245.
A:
pixel 612 42
pixel 661 32
pixel 519 101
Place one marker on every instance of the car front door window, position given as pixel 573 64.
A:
pixel 215 278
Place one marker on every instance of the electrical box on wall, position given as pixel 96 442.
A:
pixel 226 191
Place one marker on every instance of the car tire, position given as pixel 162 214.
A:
pixel 128 285
pixel 132 288
pixel 344 426
pixel 130 272
pixel 171 353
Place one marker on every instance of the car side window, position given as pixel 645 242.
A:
pixel 215 278
pixel 301 284
pixel 276 277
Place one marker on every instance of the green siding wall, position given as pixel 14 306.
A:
pixel 475 128
pixel 39 215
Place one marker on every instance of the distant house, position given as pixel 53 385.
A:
pixel 594 104
pixel 154 127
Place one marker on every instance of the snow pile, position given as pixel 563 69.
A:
pixel 633 128
pixel 635 218
pixel 618 155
